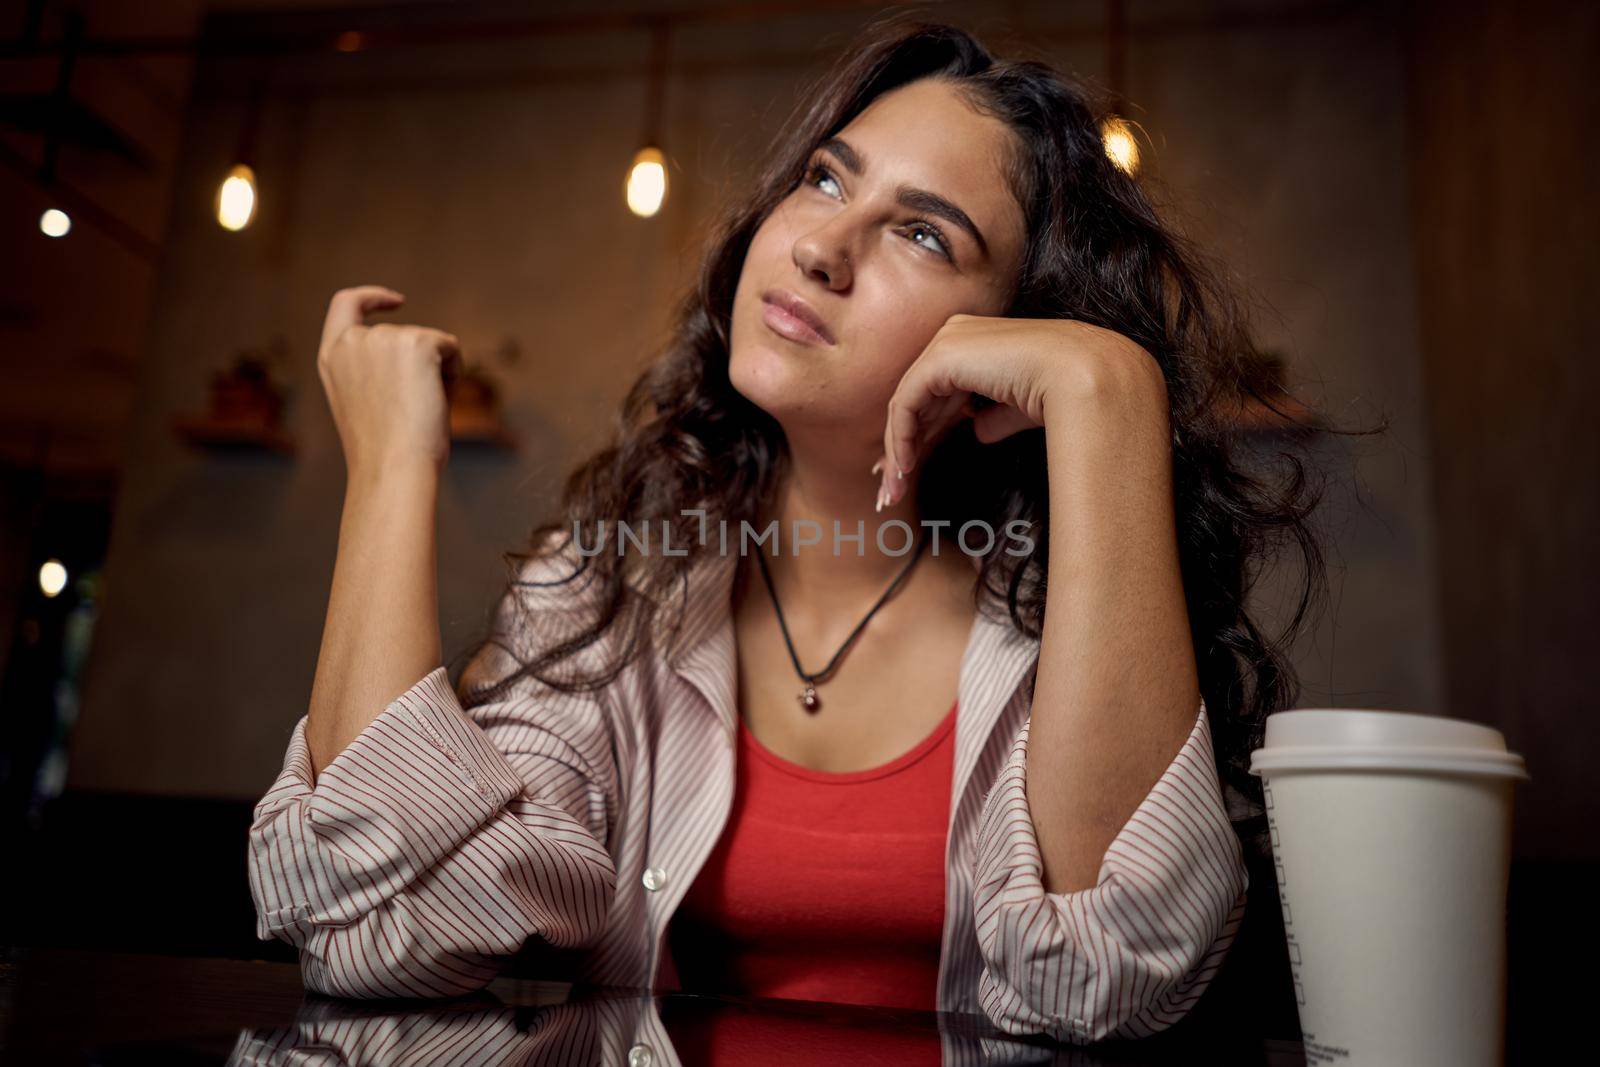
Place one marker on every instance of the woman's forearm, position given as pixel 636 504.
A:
pixel 382 628
pixel 1117 692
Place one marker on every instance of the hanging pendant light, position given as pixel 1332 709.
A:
pixel 236 198
pixel 237 195
pixel 1117 137
pixel 645 189
pixel 647 182
pixel 54 222
pixel 1116 133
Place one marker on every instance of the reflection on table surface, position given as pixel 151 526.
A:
pixel 76 1006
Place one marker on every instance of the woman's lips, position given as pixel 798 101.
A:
pixel 788 325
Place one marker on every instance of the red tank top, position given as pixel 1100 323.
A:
pixel 824 886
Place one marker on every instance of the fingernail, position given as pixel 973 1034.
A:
pixel 879 505
pixel 878 466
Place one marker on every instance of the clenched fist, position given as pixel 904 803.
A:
pixel 386 384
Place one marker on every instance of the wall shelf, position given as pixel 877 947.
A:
pixel 232 435
pixel 485 437
pixel 475 413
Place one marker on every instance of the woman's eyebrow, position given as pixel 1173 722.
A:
pixel 923 200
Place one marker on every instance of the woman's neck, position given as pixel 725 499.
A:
pixel 825 579
pixel 817 495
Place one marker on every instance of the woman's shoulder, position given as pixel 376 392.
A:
pixel 555 575
pixel 619 614
pixel 552 595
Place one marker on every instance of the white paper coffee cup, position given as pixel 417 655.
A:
pixel 1391 835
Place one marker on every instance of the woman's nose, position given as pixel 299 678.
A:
pixel 825 257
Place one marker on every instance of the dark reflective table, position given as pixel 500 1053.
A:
pixel 85 1007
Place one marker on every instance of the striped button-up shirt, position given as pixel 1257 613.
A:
pixel 444 837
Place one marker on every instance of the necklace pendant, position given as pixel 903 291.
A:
pixel 809 699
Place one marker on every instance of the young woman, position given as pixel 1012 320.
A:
pixel 982 773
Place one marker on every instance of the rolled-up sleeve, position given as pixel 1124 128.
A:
pixel 437 842
pixel 1130 955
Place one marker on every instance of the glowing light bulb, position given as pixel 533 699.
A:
pixel 647 182
pixel 236 198
pixel 54 223
pixel 1120 145
pixel 52 577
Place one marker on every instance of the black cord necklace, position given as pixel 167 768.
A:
pixel 808 697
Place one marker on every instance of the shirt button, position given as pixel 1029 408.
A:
pixel 654 878
pixel 639 1056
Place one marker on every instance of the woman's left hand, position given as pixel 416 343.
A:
pixel 1028 367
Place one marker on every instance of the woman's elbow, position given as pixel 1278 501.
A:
pixel 400 961
pixel 428 942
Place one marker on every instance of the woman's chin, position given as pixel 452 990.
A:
pixel 772 377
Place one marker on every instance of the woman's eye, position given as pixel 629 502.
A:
pixel 818 171
pixel 933 243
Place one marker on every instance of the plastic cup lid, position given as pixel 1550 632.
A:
pixel 1315 739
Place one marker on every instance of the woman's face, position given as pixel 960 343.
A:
pixel 902 220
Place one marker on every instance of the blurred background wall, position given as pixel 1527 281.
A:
pixel 482 178
pixel 1405 192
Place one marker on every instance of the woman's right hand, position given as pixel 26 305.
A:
pixel 385 384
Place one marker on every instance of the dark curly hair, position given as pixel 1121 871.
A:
pixel 1096 251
